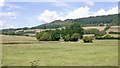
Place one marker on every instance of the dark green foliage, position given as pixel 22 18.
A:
pixel 20 33
pixel 25 28
pixel 101 24
pixel 88 39
pixel 48 35
pixel 38 35
pixel 96 32
pixel 75 37
pixel 31 32
pixel 107 27
pixel 74 28
pixel 43 36
pixel 48 26
pixel 114 32
pixel 107 37
pixel 55 35
pixel 67 38
pixel 71 33
pixel 11 32
pixel 8 32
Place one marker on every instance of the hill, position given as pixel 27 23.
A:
pixel 90 21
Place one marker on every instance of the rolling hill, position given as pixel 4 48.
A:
pixel 90 21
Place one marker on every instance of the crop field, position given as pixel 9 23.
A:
pixel 21 51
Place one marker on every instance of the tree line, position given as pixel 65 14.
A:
pixel 72 32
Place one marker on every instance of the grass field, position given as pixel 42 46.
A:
pixel 99 53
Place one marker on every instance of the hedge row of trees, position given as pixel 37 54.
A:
pixel 12 32
pixel 48 35
pixel 71 33
pixel 107 37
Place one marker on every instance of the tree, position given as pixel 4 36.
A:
pixel 74 28
pixel 45 37
pixel 107 27
pixel 75 37
pixel 19 33
pixel 67 38
pixel 38 35
pixel 94 31
pixel 88 39
pixel 55 35
pixel 11 32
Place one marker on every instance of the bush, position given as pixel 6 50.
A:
pixel 114 32
pixel 94 31
pixel 67 38
pixel 38 35
pixel 88 39
pixel 55 35
pixel 71 29
pixel 107 37
pixel 75 37
pixel 43 36
pixel 48 35
pixel 107 27
pixel 20 33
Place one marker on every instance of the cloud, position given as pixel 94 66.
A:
pixel 12 6
pixel 60 4
pixel 89 3
pixel 1 24
pixel 113 10
pixel 4 25
pixel 6 15
pixel 49 16
pixel 78 13
pixel 65 6
pixel 2 3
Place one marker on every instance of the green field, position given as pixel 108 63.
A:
pixel 22 51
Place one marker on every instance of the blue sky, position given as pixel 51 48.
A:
pixel 28 14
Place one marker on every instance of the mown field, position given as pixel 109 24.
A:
pixel 21 51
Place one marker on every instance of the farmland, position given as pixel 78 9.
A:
pixel 21 50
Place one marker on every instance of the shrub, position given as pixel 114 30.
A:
pixel 71 29
pixel 20 33
pixel 107 27
pixel 48 35
pixel 75 37
pixel 114 32
pixel 55 35
pixel 67 38
pixel 107 37
pixel 38 35
pixel 43 36
pixel 88 39
pixel 94 31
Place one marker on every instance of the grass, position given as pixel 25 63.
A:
pixel 99 53
pixel 17 39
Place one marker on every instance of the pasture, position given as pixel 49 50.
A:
pixel 21 51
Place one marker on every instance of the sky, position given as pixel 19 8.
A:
pixel 29 14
